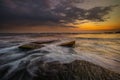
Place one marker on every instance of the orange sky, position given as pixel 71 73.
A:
pixel 110 24
pixel 113 23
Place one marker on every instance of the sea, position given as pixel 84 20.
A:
pixel 100 49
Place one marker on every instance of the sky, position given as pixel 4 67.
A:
pixel 38 16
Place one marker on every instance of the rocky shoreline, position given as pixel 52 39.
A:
pixel 49 63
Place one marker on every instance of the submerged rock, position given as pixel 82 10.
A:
pixel 68 44
pixel 39 44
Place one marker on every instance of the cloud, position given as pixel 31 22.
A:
pixel 48 12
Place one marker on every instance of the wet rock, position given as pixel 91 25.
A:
pixel 35 45
pixel 75 70
pixel 44 42
pixel 68 44
pixel 30 46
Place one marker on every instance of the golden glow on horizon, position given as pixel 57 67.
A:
pixel 110 24
pixel 113 23
pixel 98 26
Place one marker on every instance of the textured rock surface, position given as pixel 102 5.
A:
pixel 76 70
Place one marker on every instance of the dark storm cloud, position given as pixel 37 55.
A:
pixel 47 12
pixel 98 13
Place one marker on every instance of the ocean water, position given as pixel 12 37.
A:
pixel 99 49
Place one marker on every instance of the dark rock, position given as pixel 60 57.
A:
pixel 76 70
pixel 30 46
pixel 44 42
pixel 68 44
pixel 35 45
